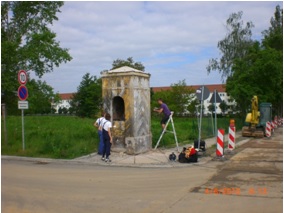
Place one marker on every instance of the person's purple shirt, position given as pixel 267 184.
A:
pixel 166 110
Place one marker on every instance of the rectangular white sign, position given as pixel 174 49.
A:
pixel 23 105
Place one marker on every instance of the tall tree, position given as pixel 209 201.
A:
pixel 223 106
pixel 41 96
pixel 234 46
pixel 181 97
pixel 27 42
pixel 193 106
pixel 273 42
pixel 260 72
pixel 128 62
pixel 273 37
pixel 87 102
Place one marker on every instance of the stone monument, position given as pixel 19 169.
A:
pixel 126 96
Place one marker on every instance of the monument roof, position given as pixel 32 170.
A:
pixel 125 69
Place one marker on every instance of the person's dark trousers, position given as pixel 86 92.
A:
pixel 165 119
pixel 107 146
pixel 101 143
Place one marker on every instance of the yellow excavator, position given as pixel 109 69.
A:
pixel 255 122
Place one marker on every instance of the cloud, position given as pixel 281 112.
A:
pixel 173 40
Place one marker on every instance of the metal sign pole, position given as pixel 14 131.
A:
pixel 199 137
pixel 213 127
pixel 197 117
pixel 23 130
pixel 23 95
pixel 215 113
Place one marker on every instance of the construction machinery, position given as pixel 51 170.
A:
pixel 255 122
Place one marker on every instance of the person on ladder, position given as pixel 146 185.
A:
pixel 163 109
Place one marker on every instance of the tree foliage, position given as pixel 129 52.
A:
pixel 27 42
pixel 260 72
pixel 193 107
pixel 211 108
pixel 177 98
pixel 223 106
pixel 273 37
pixel 40 98
pixel 128 62
pixel 87 102
pixel 233 46
pixel 253 67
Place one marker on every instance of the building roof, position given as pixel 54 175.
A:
pixel 66 96
pixel 211 88
pixel 124 69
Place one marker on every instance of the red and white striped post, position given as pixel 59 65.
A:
pixel 280 122
pixel 272 126
pixel 275 122
pixel 231 138
pixel 220 143
pixel 268 129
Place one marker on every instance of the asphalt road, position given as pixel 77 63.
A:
pixel 250 180
pixel 30 187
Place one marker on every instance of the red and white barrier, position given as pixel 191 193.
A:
pixel 272 126
pixel 275 124
pixel 231 137
pixel 280 122
pixel 268 129
pixel 220 143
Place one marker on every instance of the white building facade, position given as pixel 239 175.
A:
pixel 64 103
pixel 66 98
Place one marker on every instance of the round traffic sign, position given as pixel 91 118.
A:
pixel 22 77
pixel 22 92
pixel 205 94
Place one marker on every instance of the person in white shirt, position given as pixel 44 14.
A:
pixel 99 122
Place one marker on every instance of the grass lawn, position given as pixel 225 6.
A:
pixel 68 137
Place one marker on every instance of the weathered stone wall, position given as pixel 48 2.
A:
pixel 132 130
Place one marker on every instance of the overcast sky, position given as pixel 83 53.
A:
pixel 173 40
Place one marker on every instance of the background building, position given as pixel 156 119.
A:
pixel 66 98
pixel 221 90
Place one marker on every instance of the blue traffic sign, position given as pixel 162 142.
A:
pixel 22 93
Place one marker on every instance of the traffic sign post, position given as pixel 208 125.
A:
pixel 214 100
pixel 201 94
pixel 23 95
